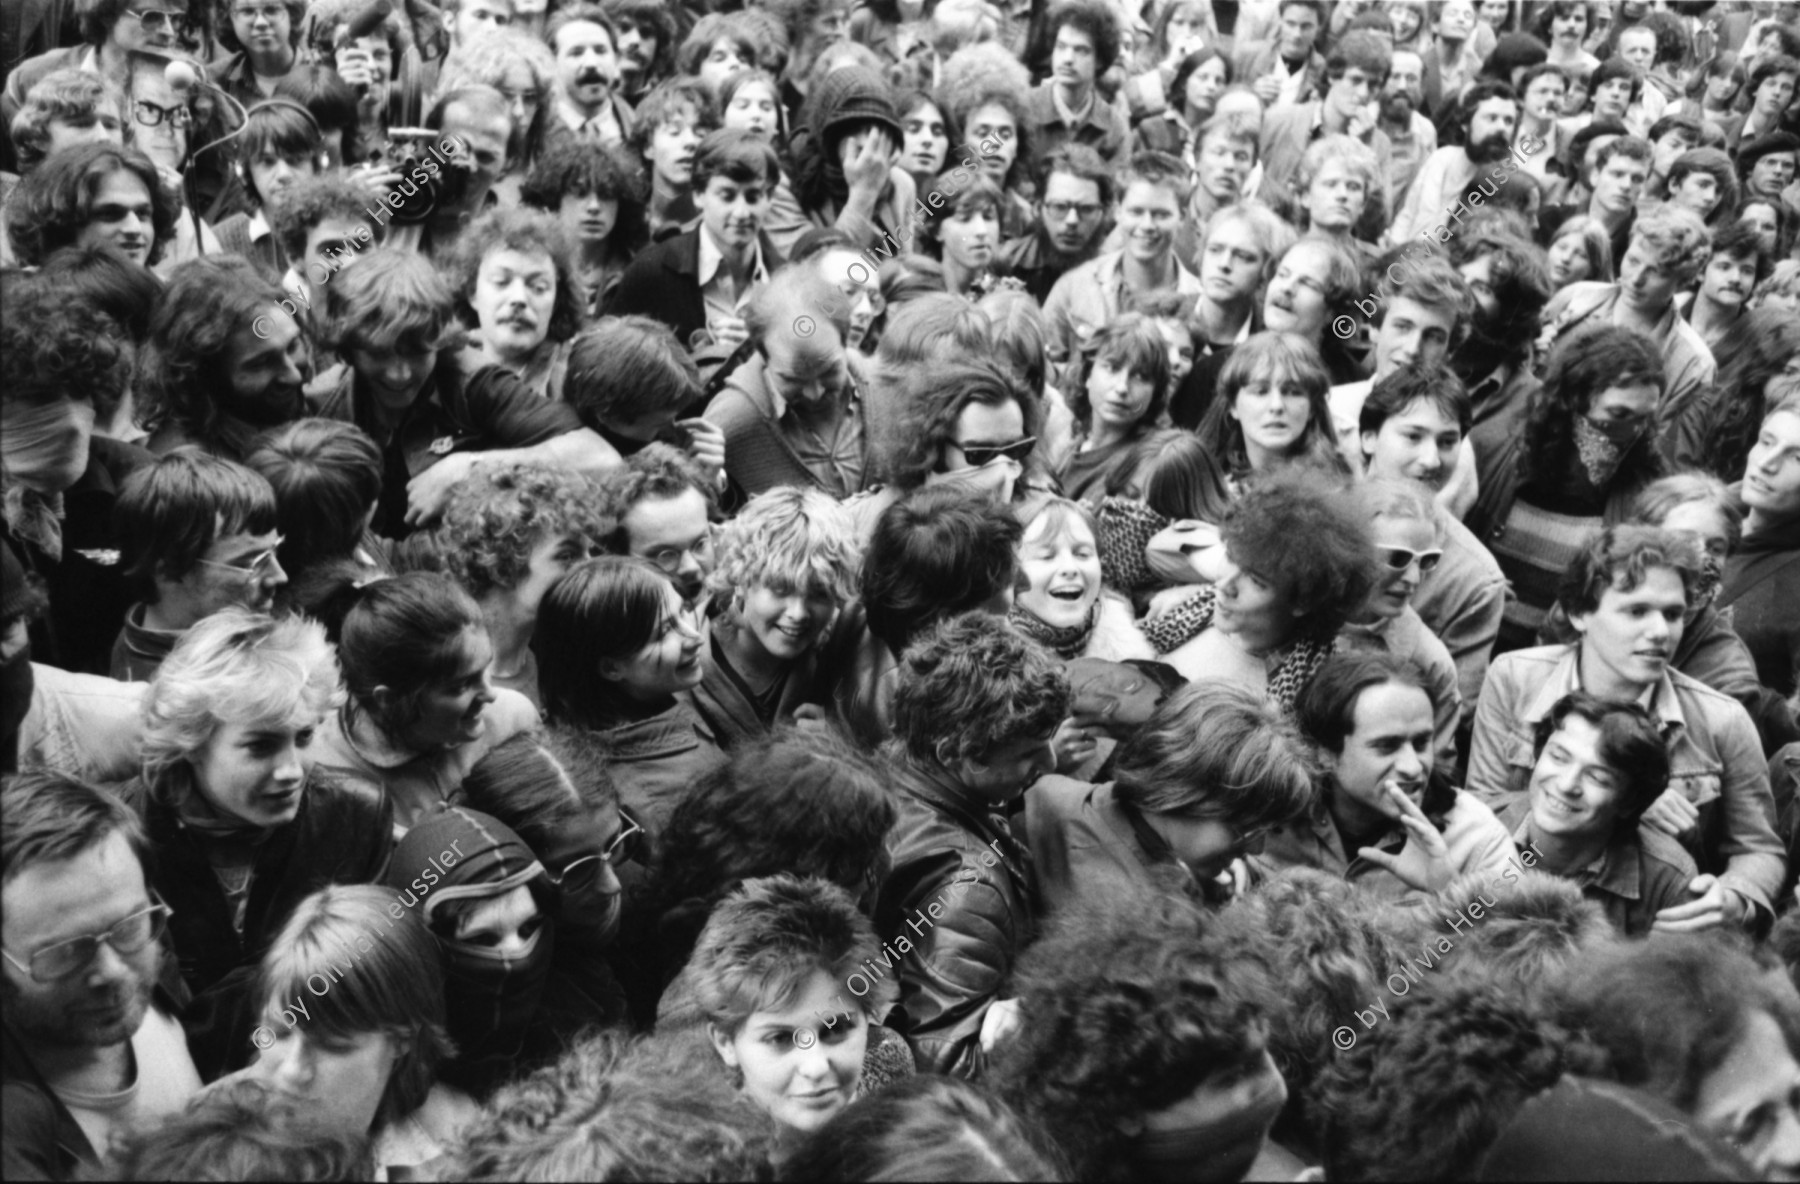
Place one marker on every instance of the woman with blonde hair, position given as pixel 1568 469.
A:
pixel 1580 250
pixel 243 822
pixel 786 567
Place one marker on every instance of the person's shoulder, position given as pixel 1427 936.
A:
pixel 1526 667
pixel 1692 691
pixel 1696 345
pixel 1664 857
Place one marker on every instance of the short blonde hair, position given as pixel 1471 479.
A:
pixel 789 537
pixel 1357 156
pixel 1678 238
pixel 236 666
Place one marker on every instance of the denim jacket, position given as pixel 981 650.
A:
pixel 1715 759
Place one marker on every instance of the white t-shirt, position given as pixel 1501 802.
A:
pixel 163 1080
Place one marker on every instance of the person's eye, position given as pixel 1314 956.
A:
pixel 303 738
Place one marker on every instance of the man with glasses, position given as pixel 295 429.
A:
pixel 198 534
pixel 91 1045
pixel 664 507
pixel 112 30
pixel 265 35
pixel 1077 188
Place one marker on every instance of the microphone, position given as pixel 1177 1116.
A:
pixel 180 76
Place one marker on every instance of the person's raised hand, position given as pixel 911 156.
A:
pixel 1424 863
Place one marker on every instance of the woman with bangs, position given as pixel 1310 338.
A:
pixel 965 234
pixel 279 145
pixel 359 1059
pixel 1121 400
pixel 1580 250
pixel 1271 410
pixel 521 68
pixel 420 709
pixel 751 100
pixel 1061 603
pixel 600 202
pixel 243 821
pixel 511 269
pixel 1193 95
pixel 392 319
pixel 776 974
pixel 787 565
pixel 616 646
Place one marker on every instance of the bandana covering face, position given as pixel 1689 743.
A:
pixel 1602 449
pixel 490 997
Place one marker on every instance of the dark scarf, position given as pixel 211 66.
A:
pixel 1065 641
pixel 1290 668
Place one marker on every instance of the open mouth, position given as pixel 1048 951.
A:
pixel 1067 593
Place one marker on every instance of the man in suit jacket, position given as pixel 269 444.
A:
pixel 698 283
pixel 1287 69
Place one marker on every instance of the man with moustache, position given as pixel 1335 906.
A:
pixel 1490 112
pixel 1077 188
pixel 90 1045
pixel 1411 137
pixel 1355 72
pixel 587 76
pixel 224 360
pixel 646 43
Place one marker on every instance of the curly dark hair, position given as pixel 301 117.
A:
pixel 180 377
pixel 939 551
pixel 53 205
pixel 970 685
pixel 1583 365
pixel 1329 577
pixel 1129 1019
pixel 575 168
pixel 1396 1107
pixel 805 802
pixel 932 395
pixel 1756 348
pixel 499 515
pixel 55 345
pixel 527 230
pixel 1099 21
pixel 1521 283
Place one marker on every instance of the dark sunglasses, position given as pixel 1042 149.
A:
pixel 980 454
pixel 1399 558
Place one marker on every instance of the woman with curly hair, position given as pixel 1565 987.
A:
pixel 508 534
pixel 511 269
pixel 804 802
pixel 362 1059
pixel 985 95
pixel 1121 400
pixel 1274 615
pixel 1145 1046
pixel 775 976
pixel 1585 448
pixel 600 202
pixel 1270 411
pixel 92 193
pixel 1386 814
pixel 786 567
pixel 244 817
pixel 521 68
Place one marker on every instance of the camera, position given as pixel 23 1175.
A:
pixel 430 178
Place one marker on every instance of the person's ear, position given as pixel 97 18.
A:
pixel 384 699
pixel 1368 446
pixel 1579 622
pixel 612 669
pixel 723 1045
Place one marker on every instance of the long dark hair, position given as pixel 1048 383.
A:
pixel 1755 348
pixel 607 607
pixel 1583 365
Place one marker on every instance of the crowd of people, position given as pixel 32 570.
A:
pixel 903 590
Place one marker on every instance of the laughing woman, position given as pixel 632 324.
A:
pixel 1121 399
pixel 1063 607
pixel 243 823
pixel 616 645
pixel 787 565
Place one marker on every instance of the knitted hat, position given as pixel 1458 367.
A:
pixel 851 94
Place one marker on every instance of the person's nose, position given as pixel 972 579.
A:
pixel 1782 1162
pixel 1656 627
pixel 813 1061
pixel 1408 761
pixel 132 223
pixel 293 1069
pixel 291 768
pixel 107 968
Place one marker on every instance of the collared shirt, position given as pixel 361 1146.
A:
pixel 1715 760
pixel 1102 127
pixel 1636 877
pixel 723 298
pixel 602 128
pixel 837 463
pixel 1088 297
pixel 1071 118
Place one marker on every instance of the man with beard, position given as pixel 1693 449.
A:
pixel 1411 136
pixel 1511 284
pixel 1356 72
pixel 587 76
pixel 646 43
pixel 223 362
pixel 1737 265
pixel 1490 112
pixel 1077 188
pixel 91 1045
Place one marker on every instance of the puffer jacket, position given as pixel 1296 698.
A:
pixel 953 914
